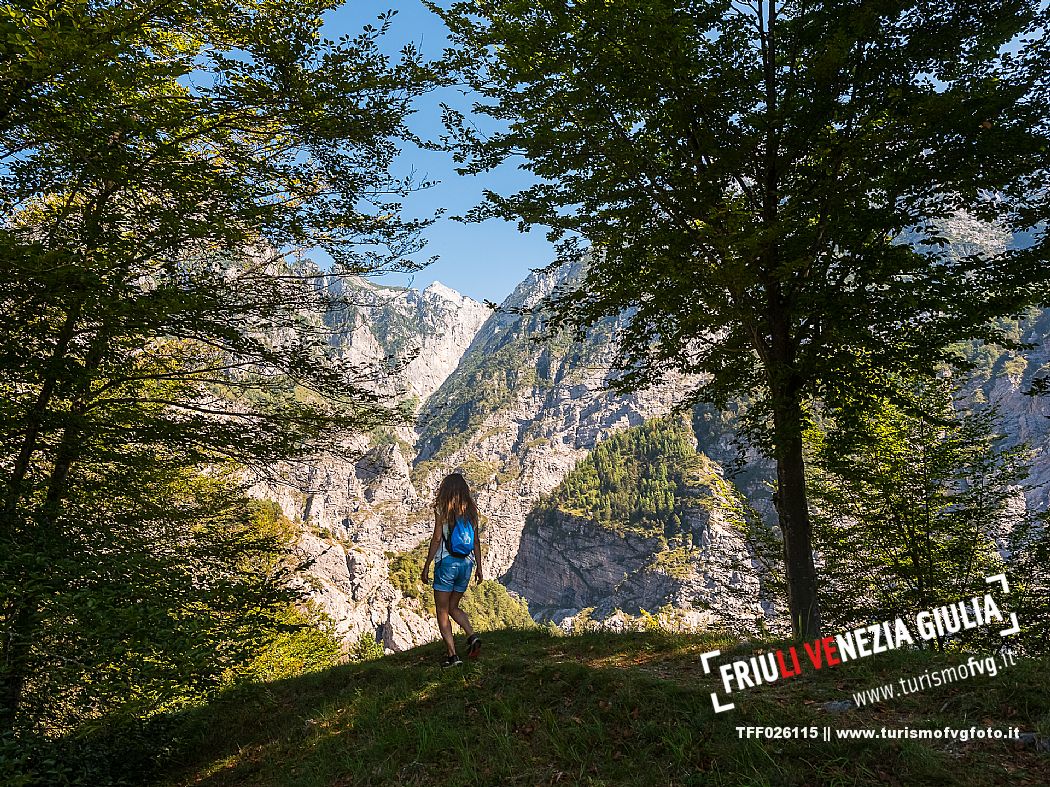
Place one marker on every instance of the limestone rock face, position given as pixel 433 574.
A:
pixel 516 415
pixel 420 336
pixel 566 563
pixel 1004 382
pixel 405 628
pixel 513 414
pixel 357 501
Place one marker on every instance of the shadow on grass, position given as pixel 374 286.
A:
pixel 591 709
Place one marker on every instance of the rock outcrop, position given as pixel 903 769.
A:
pixel 420 336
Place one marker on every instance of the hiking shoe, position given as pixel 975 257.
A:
pixel 452 661
pixel 473 646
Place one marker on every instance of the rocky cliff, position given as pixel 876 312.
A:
pixel 419 336
pixel 1010 381
pixel 513 413
pixel 645 521
pixel 518 412
pixel 357 502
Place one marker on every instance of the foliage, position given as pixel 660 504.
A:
pixel 642 480
pixel 987 362
pixel 488 604
pixel 908 508
pixel 366 648
pixel 583 622
pixel 1028 572
pixel 676 562
pixel 405 568
pixel 767 191
pixel 650 482
pixel 491 607
pixel 300 640
pixel 164 166
pixel 669 621
pixel 158 611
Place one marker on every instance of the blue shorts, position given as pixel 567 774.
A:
pixel 452 573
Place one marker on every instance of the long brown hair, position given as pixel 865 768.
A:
pixel 453 500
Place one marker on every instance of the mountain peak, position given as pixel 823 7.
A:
pixel 449 294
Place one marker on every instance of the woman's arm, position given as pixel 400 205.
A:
pixel 478 578
pixel 435 542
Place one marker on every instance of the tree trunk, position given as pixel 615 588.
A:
pixel 793 511
pixel 13 653
pixel 779 357
pixel 20 614
pixel 36 416
pixel 22 625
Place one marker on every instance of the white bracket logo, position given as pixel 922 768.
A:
pixel 715 703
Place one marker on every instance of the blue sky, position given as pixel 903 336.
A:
pixel 480 260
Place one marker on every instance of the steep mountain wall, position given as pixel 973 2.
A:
pixel 419 335
pixel 514 414
pixel 357 501
pixel 1004 379
pixel 517 413
pixel 644 521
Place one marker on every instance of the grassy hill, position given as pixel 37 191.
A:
pixel 601 709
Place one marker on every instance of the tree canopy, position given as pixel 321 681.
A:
pixel 767 189
pixel 164 165
pixel 911 511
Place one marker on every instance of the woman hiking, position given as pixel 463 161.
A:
pixel 456 546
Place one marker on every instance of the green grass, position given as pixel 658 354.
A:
pixel 600 709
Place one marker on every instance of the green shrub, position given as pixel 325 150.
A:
pixel 489 604
pixel 366 648
pixel 491 607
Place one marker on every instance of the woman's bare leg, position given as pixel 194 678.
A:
pixel 441 602
pixel 459 615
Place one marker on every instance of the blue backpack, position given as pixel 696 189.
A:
pixel 460 539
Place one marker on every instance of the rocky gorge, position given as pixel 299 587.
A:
pixel 517 412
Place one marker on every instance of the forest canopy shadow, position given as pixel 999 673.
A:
pixel 598 707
